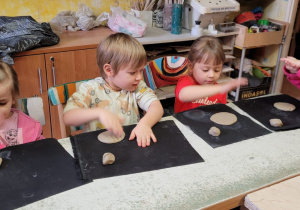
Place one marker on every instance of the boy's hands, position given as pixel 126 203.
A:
pixel 111 122
pixel 143 134
pixel 233 84
pixel 292 64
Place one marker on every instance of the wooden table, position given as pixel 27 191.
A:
pixel 221 182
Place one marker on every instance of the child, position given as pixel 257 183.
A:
pixel 205 63
pixel 292 70
pixel 112 100
pixel 15 126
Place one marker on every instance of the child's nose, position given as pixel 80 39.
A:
pixel 211 73
pixel 139 75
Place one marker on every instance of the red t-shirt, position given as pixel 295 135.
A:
pixel 182 106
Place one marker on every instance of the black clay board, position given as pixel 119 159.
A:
pixel 172 149
pixel 34 171
pixel 198 120
pixel 262 109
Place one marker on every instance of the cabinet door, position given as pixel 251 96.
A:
pixel 33 83
pixel 69 67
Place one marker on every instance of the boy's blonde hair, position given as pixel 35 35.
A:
pixel 204 49
pixel 120 50
pixel 9 75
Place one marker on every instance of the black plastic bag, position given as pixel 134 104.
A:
pixel 22 33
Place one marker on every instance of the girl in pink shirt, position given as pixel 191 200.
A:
pixel 15 126
pixel 292 70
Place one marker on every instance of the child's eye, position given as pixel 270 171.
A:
pixel 132 73
pixel 3 103
pixel 217 70
pixel 205 70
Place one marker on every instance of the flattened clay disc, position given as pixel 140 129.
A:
pixel 224 118
pixel 108 137
pixel 284 106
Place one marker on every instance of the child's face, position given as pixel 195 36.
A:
pixel 6 101
pixel 127 79
pixel 207 73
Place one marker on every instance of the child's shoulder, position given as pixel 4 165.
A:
pixel 92 83
pixel 186 79
pixel 24 118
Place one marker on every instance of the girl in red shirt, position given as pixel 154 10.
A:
pixel 200 87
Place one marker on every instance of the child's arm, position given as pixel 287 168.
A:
pixel 292 64
pixel 143 131
pixel 194 92
pixel 79 116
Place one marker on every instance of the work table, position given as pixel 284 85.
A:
pixel 221 182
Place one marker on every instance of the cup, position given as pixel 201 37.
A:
pixel 176 26
pixel 159 18
pixel 167 17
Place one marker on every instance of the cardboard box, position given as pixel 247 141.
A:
pixel 253 40
pixel 247 92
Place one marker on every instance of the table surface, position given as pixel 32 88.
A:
pixel 221 182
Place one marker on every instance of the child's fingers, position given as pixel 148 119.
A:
pixel 153 138
pixel 132 135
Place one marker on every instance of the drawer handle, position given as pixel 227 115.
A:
pixel 41 85
pixel 53 70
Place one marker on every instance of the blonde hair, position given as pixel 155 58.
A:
pixel 9 75
pixel 204 50
pixel 120 50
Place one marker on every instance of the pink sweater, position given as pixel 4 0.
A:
pixel 293 78
pixel 31 128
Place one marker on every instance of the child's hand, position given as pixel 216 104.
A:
pixel 111 122
pixel 292 64
pixel 143 134
pixel 233 84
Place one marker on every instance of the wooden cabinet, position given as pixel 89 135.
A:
pixel 64 67
pixel 71 66
pixel 33 82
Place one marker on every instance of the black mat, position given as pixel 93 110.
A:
pixel 34 171
pixel 198 120
pixel 172 149
pixel 262 109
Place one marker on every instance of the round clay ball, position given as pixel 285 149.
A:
pixel 214 131
pixel 108 158
pixel 276 122
pixel 0 161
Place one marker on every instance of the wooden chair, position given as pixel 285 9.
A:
pixel 33 107
pixel 58 96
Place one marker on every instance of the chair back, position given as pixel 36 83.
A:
pixel 165 71
pixel 59 96
pixel 33 107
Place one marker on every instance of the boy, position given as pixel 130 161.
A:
pixel 112 100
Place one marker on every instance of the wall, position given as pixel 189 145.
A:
pixel 45 10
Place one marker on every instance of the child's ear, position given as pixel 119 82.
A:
pixel 108 70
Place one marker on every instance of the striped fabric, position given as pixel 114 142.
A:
pixel 165 71
pixel 59 94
